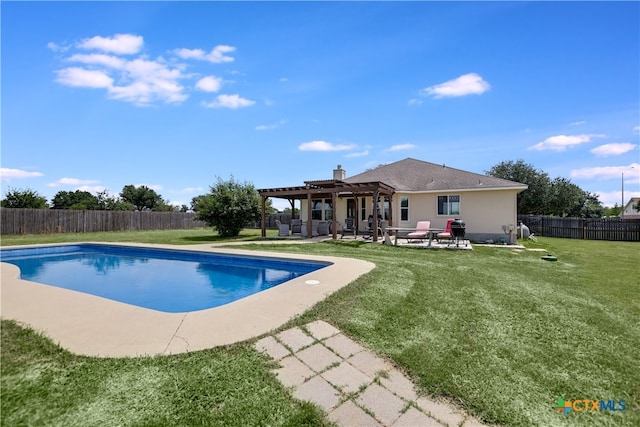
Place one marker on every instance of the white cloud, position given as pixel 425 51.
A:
pixel 358 154
pixel 71 182
pixel 154 187
pixel 400 147
pixel 92 189
pixel 467 84
pixel 216 55
pixel 229 101
pixel 121 44
pixel 613 149
pixel 414 101
pixel 109 61
pixel 8 174
pixel 578 123
pixel 271 126
pixel 187 190
pixel 209 84
pixel 636 129
pixel 79 77
pixel 140 80
pixel 608 172
pixel 283 80
pixel 611 198
pixel 324 146
pixel 562 142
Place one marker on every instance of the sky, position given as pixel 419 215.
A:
pixel 178 95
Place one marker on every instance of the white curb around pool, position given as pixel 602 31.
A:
pixel 94 326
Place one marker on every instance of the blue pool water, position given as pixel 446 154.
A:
pixel 159 279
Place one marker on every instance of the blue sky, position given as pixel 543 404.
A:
pixel 99 95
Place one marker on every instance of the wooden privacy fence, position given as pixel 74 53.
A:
pixel 270 220
pixel 583 228
pixel 40 221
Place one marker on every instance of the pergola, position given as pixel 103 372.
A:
pixel 328 189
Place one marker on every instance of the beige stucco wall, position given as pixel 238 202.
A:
pixel 484 212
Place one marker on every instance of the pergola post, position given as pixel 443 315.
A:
pixel 263 220
pixel 334 224
pixel 376 194
pixel 309 216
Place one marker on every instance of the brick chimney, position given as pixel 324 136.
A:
pixel 339 174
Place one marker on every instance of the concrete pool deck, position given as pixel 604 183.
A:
pixel 94 326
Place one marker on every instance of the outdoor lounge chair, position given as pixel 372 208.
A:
pixel 349 227
pixel 283 229
pixel 446 234
pixel 421 233
pixel 368 232
pixel 296 227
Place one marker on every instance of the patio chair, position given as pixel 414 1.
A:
pixel 349 227
pixel 421 233
pixel 283 229
pixel 446 234
pixel 296 227
pixel 314 228
pixel 368 232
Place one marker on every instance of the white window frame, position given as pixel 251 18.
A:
pixel 405 209
pixel 449 205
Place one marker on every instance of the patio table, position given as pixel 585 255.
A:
pixel 432 232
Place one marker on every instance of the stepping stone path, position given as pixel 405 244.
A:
pixel 354 386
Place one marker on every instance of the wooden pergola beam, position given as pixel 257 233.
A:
pixel 327 189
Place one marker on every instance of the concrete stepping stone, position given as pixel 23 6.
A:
pixel 293 372
pixel 295 339
pixel 472 422
pixel 368 363
pixel 317 390
pixel 413 418
pixel 349 414
pixel 272 347
pixel 443 412
pixel 398 383
pixel 343 346
pixel 385 405
pixel 318 357
pixel 347 378
pixel 321 329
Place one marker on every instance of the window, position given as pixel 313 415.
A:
pixel 328 210
pixel 383 208
pixel 321 209
pixel 363 208
pixel 316 209
pixel 448 205
pixel 404 208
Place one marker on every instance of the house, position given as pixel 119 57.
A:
pixel 406 192
pixel 630 211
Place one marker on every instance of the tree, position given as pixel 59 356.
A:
pixel 228 207
pixel 25 199
pixel 107 202
pixel 592 207
pixel 142 198
pixel 545 196
pixel 533 199
pixel 80 200
pixel 614 210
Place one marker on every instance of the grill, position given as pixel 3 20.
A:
pixel 457 231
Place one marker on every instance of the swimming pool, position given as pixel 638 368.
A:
pixel 171 281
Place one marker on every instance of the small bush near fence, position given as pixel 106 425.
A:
pixel 44 221
pixel 616 229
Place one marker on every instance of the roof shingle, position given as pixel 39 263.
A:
pixel 413 175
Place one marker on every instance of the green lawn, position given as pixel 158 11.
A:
pixel 498 330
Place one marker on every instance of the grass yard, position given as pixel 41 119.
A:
pixel 497 330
